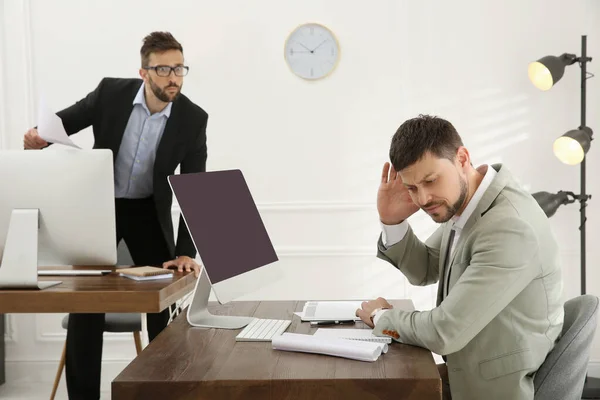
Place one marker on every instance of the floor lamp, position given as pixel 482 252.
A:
pixel 571 149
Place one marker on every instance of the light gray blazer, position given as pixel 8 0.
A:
pixel 504 309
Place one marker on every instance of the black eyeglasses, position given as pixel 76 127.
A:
pixel 165 70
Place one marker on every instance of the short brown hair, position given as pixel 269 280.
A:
pixel 158 42
pixel 420 135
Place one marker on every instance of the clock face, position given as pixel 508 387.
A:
pixel 312 51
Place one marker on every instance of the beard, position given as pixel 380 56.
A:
pixel 162 94
pixel 451 210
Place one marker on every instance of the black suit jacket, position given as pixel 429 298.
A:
pixel 107 110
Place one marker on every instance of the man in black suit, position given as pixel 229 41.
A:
pixel 151 128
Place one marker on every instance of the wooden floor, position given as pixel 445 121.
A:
pixel 37 392
pixel 20 386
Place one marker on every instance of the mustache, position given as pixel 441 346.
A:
pixel 429 205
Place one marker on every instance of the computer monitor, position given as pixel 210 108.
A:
pixel 231 240
pixel 57 207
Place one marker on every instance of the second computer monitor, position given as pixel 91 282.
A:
pixel 57 207
pixel 227 230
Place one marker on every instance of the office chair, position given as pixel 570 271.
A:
pixel 562 375
pixel 114 322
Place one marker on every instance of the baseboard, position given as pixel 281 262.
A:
pixel 594 369
pixel 21 373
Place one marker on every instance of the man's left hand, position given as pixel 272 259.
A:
pixel 364 313
pixel 183 262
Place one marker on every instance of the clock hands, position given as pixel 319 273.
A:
pixel 309 50
pixel 304 46
pixel 313 50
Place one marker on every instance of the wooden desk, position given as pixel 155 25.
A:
pixel 194 363
pixel 98 294
pixel 94 294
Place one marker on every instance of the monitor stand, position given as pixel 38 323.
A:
pixel 198 314
pixel 19 265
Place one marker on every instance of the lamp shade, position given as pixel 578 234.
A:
pixel 572 147
pixel 549 202
pixel 546 71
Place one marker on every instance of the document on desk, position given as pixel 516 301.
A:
pixel 352 334
pixel 330 310
pixel 354 350
pixel 50 126
pixel 147 278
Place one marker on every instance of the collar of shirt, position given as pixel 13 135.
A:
pixel 141 99
pixel 461 220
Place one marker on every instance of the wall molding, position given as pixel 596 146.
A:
pixel 326 251
pixel 17 57
pixel 53 336
pixel 3 105
pixel 300 206
pixel 56 337
pixel 28 60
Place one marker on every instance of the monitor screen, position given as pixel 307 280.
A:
pixel 74 193
pixel 224 223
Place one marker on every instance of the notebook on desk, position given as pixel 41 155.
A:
pixel 145 273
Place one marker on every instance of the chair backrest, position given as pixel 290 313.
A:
pixel 562 374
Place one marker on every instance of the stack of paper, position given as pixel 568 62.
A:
pixel 330 310
pixel 352 334
pixel 355 350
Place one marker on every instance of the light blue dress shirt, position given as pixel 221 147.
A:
pixel 134 166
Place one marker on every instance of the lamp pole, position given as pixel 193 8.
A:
pixel 583 197
pixel 591 387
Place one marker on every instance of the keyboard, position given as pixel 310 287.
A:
pixel 262 330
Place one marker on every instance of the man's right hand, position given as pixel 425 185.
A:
pixel 33 141
pixel 393 200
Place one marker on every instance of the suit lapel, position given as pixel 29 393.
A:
pixel 498 184
pixel 443 252
pixel 169 137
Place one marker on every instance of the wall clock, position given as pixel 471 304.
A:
pixel 311 51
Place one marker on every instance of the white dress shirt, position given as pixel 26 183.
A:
pixel 134 166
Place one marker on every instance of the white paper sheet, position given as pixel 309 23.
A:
pixel 352 349
pixel 50 127
pixel 330 310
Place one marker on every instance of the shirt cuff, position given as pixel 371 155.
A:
pixel 378 315
pixel 392 234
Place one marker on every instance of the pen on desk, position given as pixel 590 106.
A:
pixel 339 322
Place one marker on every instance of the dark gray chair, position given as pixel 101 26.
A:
pixel 562 375
pixel 114 322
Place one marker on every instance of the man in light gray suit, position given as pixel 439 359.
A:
pixel 499 305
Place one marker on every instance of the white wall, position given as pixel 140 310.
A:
pixel 312 152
